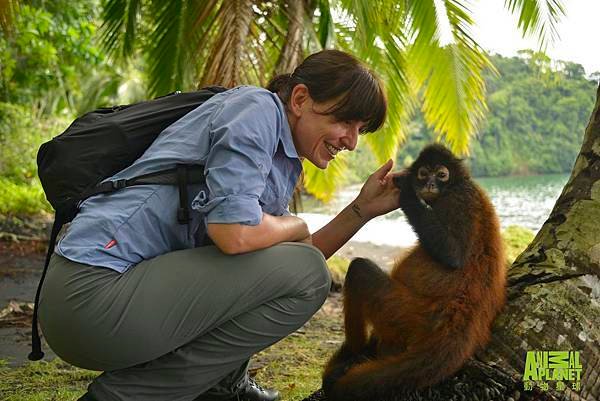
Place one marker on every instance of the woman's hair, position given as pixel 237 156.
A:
pixel 333 74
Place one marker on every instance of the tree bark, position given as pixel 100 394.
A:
pixel 291 54
pixel 553 299
pixel 224 66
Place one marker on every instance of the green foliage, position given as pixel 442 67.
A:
pixel 20 138
pixel 338 267
pixel 516 239
pixel 22 199
pixel 537 117
pixel 50 61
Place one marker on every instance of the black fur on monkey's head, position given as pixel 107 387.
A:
pixel 435 169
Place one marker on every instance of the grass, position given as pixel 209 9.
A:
pixel 516 239
pixel 293 366
pixel 43 381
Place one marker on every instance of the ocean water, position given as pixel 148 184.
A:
pixel 523 201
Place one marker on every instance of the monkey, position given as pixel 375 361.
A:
pixel 418 325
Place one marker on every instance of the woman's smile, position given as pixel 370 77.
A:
pixel 332 149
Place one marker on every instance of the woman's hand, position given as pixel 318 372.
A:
pixel 307 240
pixel 378 195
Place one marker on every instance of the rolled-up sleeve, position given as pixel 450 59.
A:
pixel 243 139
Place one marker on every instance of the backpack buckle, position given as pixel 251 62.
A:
pixel 119 184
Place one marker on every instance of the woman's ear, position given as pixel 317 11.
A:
pixel 298 99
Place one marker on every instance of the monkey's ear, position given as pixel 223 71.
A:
pixel 401 178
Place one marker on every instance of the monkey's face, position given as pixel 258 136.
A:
pixel 430 181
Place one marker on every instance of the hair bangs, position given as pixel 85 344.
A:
pixel 364 101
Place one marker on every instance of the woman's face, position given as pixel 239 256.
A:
pixel 319 137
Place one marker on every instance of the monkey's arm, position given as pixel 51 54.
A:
pixel 440 232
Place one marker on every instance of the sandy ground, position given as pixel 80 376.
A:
pixel 383 255
pixel 21 265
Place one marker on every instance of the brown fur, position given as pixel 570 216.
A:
pixel 418 325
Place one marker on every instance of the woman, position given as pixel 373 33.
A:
pixel 165 315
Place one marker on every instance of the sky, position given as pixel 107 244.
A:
pixel 496 31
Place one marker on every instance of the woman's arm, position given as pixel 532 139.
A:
pixel 378 196
pixel 240 238
pixel 338 231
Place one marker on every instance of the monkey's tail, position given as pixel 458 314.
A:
pixel 400 373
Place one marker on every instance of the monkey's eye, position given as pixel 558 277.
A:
pixel 422 173
pixel 443 174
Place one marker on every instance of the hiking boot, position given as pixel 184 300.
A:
pixel 252 392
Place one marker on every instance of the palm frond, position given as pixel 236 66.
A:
pixel 291 54
pixel 325 27
pixel 164 56
pixel 538 17
pixel 119 28
pixel 228 50
pixel 449 77
pixel 321 183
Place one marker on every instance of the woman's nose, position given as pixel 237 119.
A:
pixel 351 137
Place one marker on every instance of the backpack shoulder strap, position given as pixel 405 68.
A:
pixel 60 218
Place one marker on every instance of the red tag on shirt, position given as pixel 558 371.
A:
pixel 110 244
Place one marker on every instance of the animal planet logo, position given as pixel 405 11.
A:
pixel 557 366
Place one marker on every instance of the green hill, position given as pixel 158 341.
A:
pixel 538 111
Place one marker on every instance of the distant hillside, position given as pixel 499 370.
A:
pixel 538 111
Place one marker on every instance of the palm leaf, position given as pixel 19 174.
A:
pixel 166 58
pixel 225 62
pixel 449 77
pixel 118 31
pixel 538 17
pixel 320 182
pixel 325 26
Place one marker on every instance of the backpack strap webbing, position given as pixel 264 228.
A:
pixel 183 212
pixel 36 345
pixel 195 175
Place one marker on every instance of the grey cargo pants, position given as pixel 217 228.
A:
pixel 180 324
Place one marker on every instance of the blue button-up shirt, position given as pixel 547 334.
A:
pixel 243 140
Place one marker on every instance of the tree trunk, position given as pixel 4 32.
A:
pixel 291 54
pixel 553 299
pixel 224 66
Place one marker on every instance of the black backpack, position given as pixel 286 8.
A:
pixel 97 145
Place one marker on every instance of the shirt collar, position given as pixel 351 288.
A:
pixel 286 134
pixel 287 141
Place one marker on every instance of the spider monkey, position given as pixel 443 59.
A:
pixel 435 308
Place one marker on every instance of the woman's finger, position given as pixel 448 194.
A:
pixel 382 171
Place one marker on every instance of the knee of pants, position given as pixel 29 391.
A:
pixel 316 280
